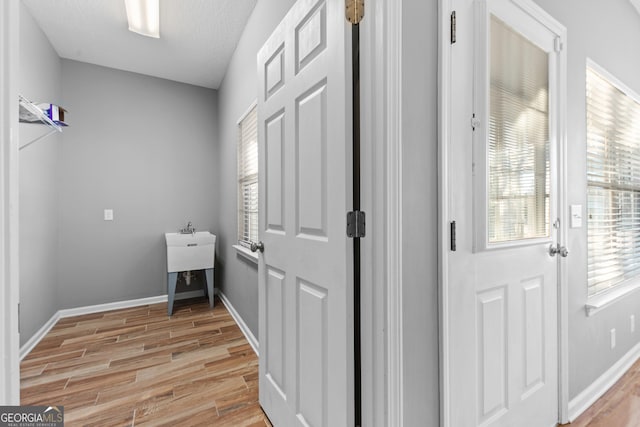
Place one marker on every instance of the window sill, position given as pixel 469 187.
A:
pixel 246 253
pixel 599 302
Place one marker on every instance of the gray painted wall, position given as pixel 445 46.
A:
pixel 604 32
pixel 419 208
pixel 39 81
pixel 144 147
pixel 237 276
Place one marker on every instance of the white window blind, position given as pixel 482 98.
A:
pixel 613 176
pixel 518 154
pixel 248 178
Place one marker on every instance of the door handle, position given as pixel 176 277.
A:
pixel 557 249
pixel 257 247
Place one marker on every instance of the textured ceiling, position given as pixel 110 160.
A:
pixel 197 37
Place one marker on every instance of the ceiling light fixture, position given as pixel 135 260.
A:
pixel 144 17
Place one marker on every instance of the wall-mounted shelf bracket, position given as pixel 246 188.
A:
pixel 30 113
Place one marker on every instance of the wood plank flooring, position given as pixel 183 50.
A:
pixel 618 407
pixel 137 367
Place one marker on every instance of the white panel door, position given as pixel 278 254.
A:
pixel 305 273
pixel 503 196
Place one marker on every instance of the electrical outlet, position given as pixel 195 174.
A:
pixel 613 338
pixel 108 214
pixel 632 323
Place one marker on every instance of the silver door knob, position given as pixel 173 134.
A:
pixel 557 249
pixel 257 247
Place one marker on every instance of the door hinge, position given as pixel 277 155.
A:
pixel 452 229
pixel 354 10
pixel 355 224
pixel 557 44
pixel 453 27
pixel 475 122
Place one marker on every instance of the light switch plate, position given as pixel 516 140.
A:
pixel 576 216
pixel 108 214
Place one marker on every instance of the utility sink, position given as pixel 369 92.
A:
pixel 187 252
pixel 193 251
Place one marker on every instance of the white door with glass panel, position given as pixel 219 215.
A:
pixel 503 196
pixel 305 273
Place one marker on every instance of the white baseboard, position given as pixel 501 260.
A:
pixel 99 308
pixel 37 337
pixel 253 342
pixel 90 309
pixel 588 397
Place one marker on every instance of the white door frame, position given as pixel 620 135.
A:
pixel 9 266
pixel 444 123
pixel 381 169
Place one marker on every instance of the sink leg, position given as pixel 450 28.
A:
pixel 209 274
pixel 172 278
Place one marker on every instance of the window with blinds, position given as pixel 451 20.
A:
pixel 248 178
pixel 518 140
pixel 613 181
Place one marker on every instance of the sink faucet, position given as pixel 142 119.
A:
pixel 189 229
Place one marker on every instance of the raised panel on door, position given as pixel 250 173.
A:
pixel 533 332
pixel 276 342
pixel 492 353
pixel 274 72
pixel 311 36
pixel 311 163
pixel 275 174
pixel 312 353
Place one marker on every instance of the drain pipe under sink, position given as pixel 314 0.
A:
pixel 187 277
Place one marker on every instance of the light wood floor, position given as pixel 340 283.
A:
pixel 139 367
pixel 618 407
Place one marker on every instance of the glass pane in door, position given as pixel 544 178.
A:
pixel 518 152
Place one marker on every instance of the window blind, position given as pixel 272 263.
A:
pixel 613 179
pixel 518 151
pixel 248 178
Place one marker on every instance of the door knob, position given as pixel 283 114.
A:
pixel 257 247
pixel 557 249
